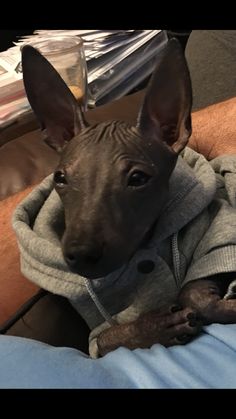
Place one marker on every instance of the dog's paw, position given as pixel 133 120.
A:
pixel 184 324
pixel 207 298
pixel 175 326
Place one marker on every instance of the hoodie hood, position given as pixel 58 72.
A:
pixel 39 223
pixel 192 187
pixel 193 239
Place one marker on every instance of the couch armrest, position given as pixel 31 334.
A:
pixel 14 288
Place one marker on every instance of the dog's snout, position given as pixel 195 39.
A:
pixel 88 254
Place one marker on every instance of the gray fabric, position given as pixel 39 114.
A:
pixel 211 57
pixel 194 238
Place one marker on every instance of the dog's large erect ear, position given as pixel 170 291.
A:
pixel 166 110
pixel 51 100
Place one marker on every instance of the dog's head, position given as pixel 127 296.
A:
pixel 113 177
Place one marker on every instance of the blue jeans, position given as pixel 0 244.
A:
pixel 207 362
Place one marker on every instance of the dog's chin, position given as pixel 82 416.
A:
pixel 101 270
pixel 93 274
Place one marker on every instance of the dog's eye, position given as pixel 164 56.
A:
pixel 60 178
pixel 138 178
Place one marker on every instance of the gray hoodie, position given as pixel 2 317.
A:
pixel 195 237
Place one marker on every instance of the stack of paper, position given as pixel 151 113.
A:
pixel 12 94
pixel 117 61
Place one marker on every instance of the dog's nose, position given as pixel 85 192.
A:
pixel 89 255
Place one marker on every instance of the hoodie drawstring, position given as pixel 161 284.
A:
pixel 176 259
pixel 97 303
pixel 176 265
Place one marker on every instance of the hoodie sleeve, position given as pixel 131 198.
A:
pixel 216 251
pixel 93 347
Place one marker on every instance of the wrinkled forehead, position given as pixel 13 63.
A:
pixel 108 138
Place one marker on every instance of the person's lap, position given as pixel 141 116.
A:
pixel 206 362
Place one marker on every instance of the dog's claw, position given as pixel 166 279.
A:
pixel 193 323
pixel 183 338
pixel 176 308
pixel 191 316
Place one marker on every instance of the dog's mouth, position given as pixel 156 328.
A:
pixel 105 268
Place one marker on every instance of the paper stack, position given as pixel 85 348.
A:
pixel 117 62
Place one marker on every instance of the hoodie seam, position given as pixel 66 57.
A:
pixel 180 196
